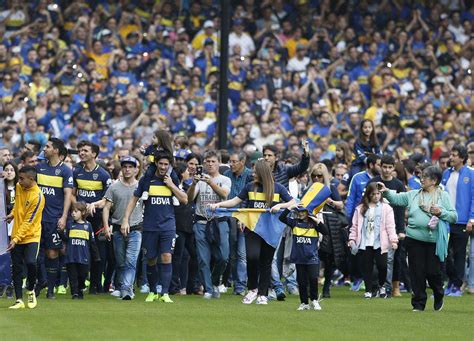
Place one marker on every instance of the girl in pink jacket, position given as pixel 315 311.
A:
pixel 373 233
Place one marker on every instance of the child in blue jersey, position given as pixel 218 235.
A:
pixel 304 252
pixel 366 144
pixel 80 248
pixel 161 140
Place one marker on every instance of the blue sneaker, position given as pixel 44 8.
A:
pixel 448 289
pixel 356 285
pixel 455 292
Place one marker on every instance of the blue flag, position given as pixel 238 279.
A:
pixel 261 221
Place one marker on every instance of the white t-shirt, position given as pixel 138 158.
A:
pixel 452 185
pixel 207 196
pixel 246 43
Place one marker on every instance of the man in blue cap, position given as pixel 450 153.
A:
pixel 126 243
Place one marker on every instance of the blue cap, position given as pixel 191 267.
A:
pixel 129 159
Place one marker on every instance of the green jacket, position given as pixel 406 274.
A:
pixel 417 218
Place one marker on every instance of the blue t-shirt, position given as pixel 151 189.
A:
pixel 255 196
pixel 91 186
pixel 159 210
pixel 52 181
pixel 79 237
pixel 305 239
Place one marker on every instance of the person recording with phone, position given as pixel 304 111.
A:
pixel 212 236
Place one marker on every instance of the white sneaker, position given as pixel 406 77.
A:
pixel 272 295
pixel 215 292
pixel 250 297
pixel 207 296
pixel 144 289
pixel 222 289
pixel 303 306
pixel 382 292
pixel 262 300
pixel 145 196
pixel 315 305
pixel 115 293
pixel 368 295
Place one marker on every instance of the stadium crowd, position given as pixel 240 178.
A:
pixel 110 108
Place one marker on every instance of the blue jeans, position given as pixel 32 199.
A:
pixel 240 270
pixel 5 270
pixel 219 252
pixel 277 271
pixel 126 256
pixel 471 264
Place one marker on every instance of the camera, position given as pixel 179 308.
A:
pixel 199 170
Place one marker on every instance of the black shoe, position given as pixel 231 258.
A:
pixel 50 296
pixel 75 296
pixel 438 304
pixel 9 292
pixel 326 294
pixel 281 296
pixel 127 297
pixel 39 287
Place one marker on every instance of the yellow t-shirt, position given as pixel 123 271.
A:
pixel 291 46
pixel 102 62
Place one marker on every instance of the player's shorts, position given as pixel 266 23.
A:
pixel 155 243
pixel 25 253
pixel 50 238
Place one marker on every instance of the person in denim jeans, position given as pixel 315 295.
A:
pixel 240 176
pixel 209 189
pixel 126 246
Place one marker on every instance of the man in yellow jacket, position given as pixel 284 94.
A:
pixel 26 234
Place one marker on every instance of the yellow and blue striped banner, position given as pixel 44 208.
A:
pixel 261 221
pixel 315 197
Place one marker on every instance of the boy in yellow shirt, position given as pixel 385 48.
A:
pixel 26 234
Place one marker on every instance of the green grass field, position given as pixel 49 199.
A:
pixel 344 316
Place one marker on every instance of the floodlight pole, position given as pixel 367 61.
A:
pixel 223 108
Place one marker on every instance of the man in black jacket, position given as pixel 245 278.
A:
pixel 282 174
pixel 394 259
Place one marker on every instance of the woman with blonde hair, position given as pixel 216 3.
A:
pixel 263 192
pixel 319 173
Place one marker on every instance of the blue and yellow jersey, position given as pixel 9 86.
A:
pixel 124 79
pixel 79 237
pixel 149 153
pixel 255 197
pixel 91 186
pixel 305 239
pixel 159 210
pixel 236 84
pixel 52 180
